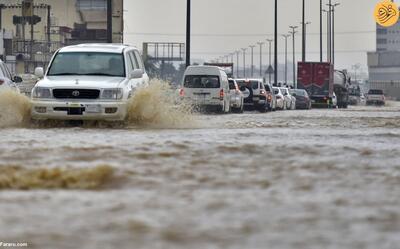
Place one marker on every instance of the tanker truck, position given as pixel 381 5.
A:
pixel 341 83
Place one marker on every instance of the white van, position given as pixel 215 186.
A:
pixel 207 87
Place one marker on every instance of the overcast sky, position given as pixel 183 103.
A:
pixel 220 27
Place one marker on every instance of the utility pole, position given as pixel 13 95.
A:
pixel 109 21
pixel 244 62
pixel 188 23
pixel 304 32
pixel 261 44
pixel 330 31
pixel 286 60
pixel 276 43
pixel 327 35
pixel 252 60
pixel 320 31
pixel 270 41
pixel 305 40
pixel 293 32
pixel 333 32
pixel 237 63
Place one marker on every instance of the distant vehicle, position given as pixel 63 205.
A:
pixel 334 101
pixel 271 98
pixel 280 99
pixel 341 89
pixel 88 82
pixel 227 67
pixel 375 97
pixel 254 93
pixel 237 98
pixel 207 88
pixel 355 96
pixel 289 99
pixel 7 80
pixel 302 99
pixel 317 79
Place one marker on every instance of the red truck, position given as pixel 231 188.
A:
pixel 317 79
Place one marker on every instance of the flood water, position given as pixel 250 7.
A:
pixel 294 179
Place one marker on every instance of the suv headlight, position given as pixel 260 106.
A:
pixel 41 93
pixel 116 93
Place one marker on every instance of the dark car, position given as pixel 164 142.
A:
pixel 302 98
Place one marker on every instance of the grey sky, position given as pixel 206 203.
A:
pixel 246 22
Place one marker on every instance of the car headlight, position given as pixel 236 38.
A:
pixel 116 93
pixel 41 93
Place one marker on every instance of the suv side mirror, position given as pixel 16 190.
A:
pixel 17 79
pixel 39 72
pixel 136 74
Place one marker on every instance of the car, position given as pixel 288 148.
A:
pixel 7 79
pixel 375 97
pixel 289 99
pixel 280 99
pixel 237 98
pixel 271 98
pixel 302 98
pixel 88 82
pixel 254 93
pixel 207 88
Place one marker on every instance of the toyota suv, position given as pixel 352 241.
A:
pixel 375 97
pixel 254 93
pixel 88 82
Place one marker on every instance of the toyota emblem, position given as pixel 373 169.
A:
pixel 76 93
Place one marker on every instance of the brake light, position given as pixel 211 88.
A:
pixel 221 94
pixel 262 92
pixel 269 97
pixel 182 92
pixel 1 82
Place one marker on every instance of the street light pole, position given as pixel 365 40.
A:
pixel 320 31
pixel 305 39
pixel 286 60
pixel 269 41
pixel 333 32
pixel 188 23
pixel 304 33
pixel 261 44
pixel 330 31
pixel 237 63
pixel 252 60
pixel 276 43
pixel 244 62
pixel 293 32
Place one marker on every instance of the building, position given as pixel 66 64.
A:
pixel 384 64
pixel 39 27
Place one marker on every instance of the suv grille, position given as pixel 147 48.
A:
pixel 76 93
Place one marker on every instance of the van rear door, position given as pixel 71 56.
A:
pixel 202 89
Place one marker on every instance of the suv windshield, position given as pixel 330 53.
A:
pixel 88 63
pixel 201 81
pixel 375 92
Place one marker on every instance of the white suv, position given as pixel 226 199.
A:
pixel 88 82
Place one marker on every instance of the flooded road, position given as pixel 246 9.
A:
pixel 294 179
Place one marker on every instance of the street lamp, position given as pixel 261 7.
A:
pixel 286 64
pixel 188 19
pixel 328 45
pixel 269 42
pixel 293 32
pixel 252 60
pixel 320 31
pixel 261 44
pixel 244 62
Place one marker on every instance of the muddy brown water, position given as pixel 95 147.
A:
pixel 294 179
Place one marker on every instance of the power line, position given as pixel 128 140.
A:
pixel 245 35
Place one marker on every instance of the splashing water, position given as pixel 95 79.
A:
pixel 157 105
pixel 14 108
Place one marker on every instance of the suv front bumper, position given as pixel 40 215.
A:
pixel 79 110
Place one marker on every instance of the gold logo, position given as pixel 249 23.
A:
pixel 386 13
